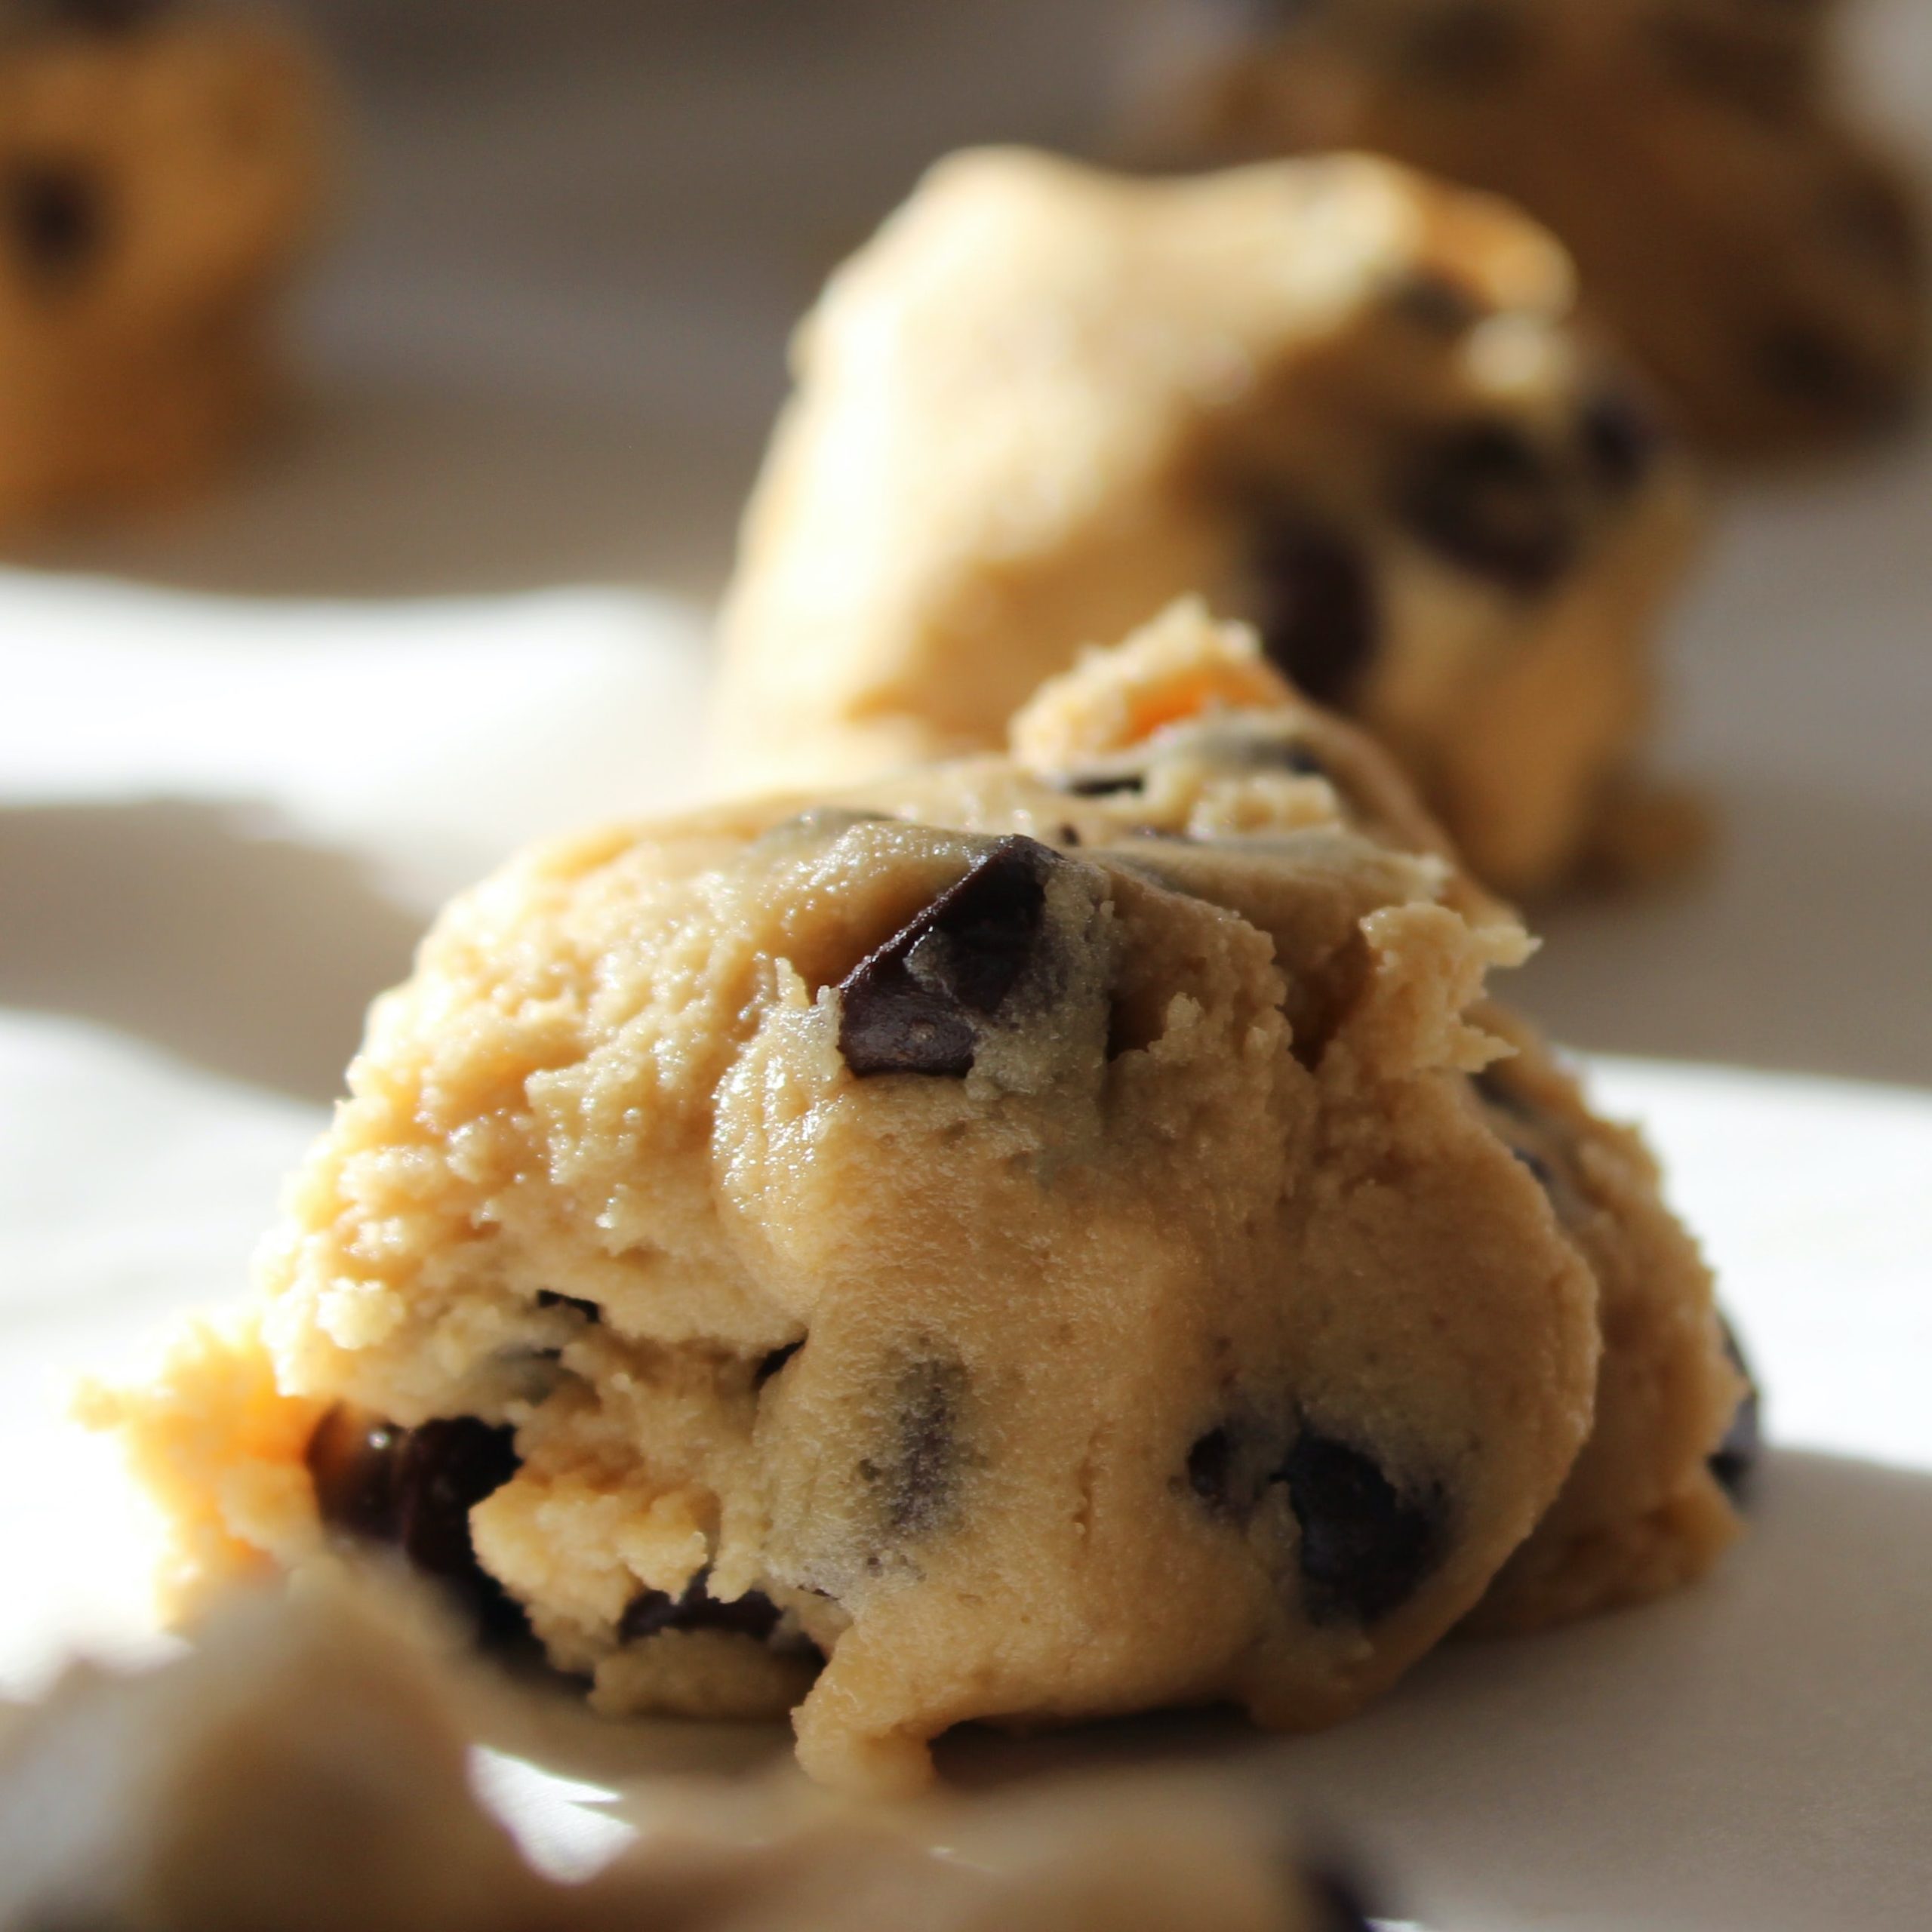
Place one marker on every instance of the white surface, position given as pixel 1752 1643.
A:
pixel 542 365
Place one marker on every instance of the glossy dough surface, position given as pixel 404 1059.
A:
pixel 1762 254
pixel 160 173
pixel 1050 1236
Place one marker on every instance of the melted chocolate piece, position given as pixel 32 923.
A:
pixel 1103 784
pixel 56 218
pixel 917 1482
pixel 414 1488
pixel 910 1007
pixel 549 1298
pixel 1485 497
pixel 1735 1458
pixel 1319 616
pixel 754 1614
pixel 1365 1549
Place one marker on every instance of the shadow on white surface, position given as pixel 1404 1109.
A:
pixel 392 490
pixel 1803 945
pixel 196 928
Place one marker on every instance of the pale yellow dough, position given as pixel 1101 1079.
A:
pixel 161 181
pixel 1334 395
pixel 1049 1232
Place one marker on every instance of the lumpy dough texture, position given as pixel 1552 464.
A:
pixel 1762 254
pixel 160 173
pixel 305 1768
pixel 1044 1236
pixel 1345 403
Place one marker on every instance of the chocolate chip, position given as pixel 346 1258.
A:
pixel 57 215
pixel 910 1007
pixel 1467 44
pixel 1340 1903
pixel 1485 497
pixel 1736 1458
pixel 754 1614
pixel 548 1298
pixel 1621 440
pixel 916 1483
pixel 352 1460
pixel 1319 613
pixel 773 1362
pixel 415 1488
pixel 1365 1549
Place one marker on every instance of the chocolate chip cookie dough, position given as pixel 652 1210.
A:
pixel 1047 1236
pixel 161 172
pixel 1339 400
pixel 1763 254
pixel 305 1767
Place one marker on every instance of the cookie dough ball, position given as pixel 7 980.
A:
pixel 1023 1241
pixel 302 1769
pixel 161 173
pixel 1761 253
pixel 1339 400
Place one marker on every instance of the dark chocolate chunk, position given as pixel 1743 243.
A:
pixel 1485 497
pixel 910 1007
pixel 1736 1457
pixel 917 1481
pixel 1319 614
pixel 415 1488
pixel 1621 440
pixel 352 1460
pixel 754 1614
pixel 1365 1548
pixel 773 1362
pixel 1467 44
pixel 57 217
pixel 549 1298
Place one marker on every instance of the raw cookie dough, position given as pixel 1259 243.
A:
pixel 160 175
pixel 1336 397
pixel 1761 253
pixel 306 1769
pixel 1033 1234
